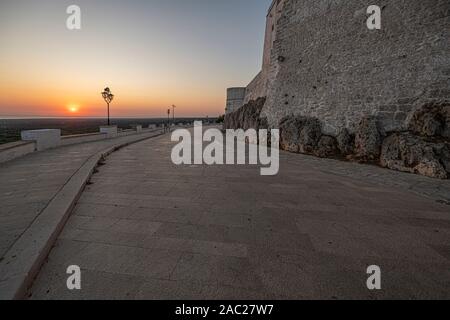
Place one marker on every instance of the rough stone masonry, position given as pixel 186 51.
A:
pixel 337 89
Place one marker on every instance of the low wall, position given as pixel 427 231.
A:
pixel 13 150
pixel 44 138
pixel 125 133
pixel 82 138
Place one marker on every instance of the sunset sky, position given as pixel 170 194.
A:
pixel 151 53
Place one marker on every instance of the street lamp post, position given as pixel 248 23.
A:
pixel 173 113
pixel 168 119
pixel 108 97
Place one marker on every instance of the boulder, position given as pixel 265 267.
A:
pixel 368 140
pixel 345 141
pixel 300 134
pixel 327 147
pixel 431 120
pixel 432 169
pixel 290 134
pixel 246 117
pixel 310 133
pixel 411 153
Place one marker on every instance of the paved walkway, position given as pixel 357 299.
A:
pixel 28 184
pixel 147 229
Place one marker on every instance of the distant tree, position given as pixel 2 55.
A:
pixel 108 97
pixel 221 119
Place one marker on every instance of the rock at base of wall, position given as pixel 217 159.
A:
pixel 327 147
pixel 247 117
pixel 432 120
pixel 345 141
pixel 304 135
pixel 300 134
pixel 310 134
pixel 411 153
pixel 402 151
pixel 368 140
pixel 290 134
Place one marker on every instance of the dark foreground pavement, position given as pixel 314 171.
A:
pixel 146 229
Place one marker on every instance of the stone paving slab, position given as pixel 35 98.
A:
pixel 29 183
pixel 29 234
pixel 146 229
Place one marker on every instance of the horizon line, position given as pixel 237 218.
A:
pixel 100 118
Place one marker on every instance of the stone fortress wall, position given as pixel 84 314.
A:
pixel 321 60
pixel 336 88
pixel 258 87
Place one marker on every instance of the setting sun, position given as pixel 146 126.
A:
pixel 73 108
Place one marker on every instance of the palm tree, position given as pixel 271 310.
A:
pixel 108 97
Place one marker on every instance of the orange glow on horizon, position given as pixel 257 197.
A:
pixel 150 61
pixel 73 108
